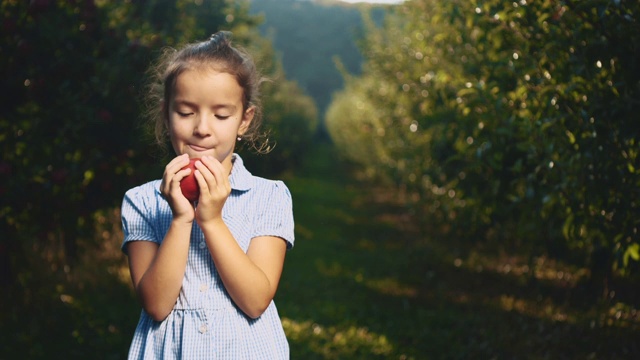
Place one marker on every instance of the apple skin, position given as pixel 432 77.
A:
pixel 189 184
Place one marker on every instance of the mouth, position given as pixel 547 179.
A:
pixel 197 148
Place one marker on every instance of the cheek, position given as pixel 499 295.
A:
pixel 177 128
pixel 230 128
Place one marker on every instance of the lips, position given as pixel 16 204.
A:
pixel 198 148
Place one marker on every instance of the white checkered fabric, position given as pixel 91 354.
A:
pixel 205 323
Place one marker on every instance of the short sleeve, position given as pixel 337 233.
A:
pixel 137 223
pixel 275 213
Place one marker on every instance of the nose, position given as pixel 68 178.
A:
pixel 202 126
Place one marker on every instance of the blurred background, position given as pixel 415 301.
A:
pixel 465 174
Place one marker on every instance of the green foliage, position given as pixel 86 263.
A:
pixel 290 119
pixel 72 76
pixel 308 36
pixel 291 122
pixel 362 283
pixel 73 72
pixel 71 139
pixel 517 121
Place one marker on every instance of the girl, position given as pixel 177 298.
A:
pixel 206 272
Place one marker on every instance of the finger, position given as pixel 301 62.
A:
pixel 175 165
pixel 209 169
pixel 205 179
pixel 203 183
pixel 217 170
pixel 173 172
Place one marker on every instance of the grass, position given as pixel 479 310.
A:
pixel 360 283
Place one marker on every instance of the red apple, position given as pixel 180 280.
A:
pixel 189 184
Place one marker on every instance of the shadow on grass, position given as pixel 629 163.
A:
pixel 360 283
pixel 87 311
pixel 357 287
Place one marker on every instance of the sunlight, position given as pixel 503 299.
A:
pixel 386 285
pixel 391 286
pixel 544 310
pixel 336 341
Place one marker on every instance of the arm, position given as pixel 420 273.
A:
pixel 250 278
pixel 156 270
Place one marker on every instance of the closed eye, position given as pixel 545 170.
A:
pixel 222 117
pixel 184 114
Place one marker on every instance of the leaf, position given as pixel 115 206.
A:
pixel 542 18
pixel 567 228
pixel 572 138
pixel 633 251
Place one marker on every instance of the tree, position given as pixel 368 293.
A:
pixel 73 75
pixel 290 119
pixel 516 121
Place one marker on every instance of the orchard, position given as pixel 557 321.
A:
pixel 506 123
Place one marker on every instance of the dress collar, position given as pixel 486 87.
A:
pixel 240 178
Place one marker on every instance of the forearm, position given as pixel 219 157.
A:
pixel 247 284
pixel 160 285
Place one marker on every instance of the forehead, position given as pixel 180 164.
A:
pixel 205 86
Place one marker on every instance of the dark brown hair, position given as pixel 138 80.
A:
pixel 218 54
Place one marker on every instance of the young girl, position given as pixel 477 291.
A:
pixel 206 272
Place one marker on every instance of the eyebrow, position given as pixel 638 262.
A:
pixel 230 107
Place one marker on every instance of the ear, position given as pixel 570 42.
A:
pixel 247 117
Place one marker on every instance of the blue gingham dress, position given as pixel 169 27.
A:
pixel 205 323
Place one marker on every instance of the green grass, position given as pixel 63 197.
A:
pixel 360 283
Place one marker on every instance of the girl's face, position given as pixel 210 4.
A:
pixel 206 115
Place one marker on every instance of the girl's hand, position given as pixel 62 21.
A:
pixel 170 188
pixel 215 188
